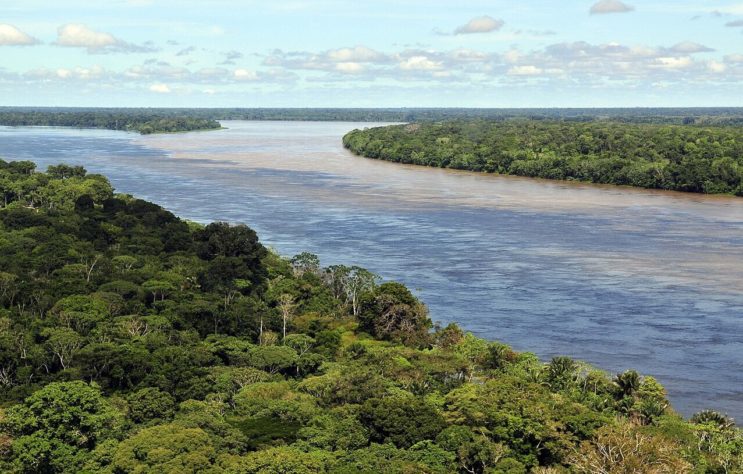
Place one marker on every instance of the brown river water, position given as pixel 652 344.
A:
pixel 619 277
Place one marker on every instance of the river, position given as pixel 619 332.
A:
pixel 619 277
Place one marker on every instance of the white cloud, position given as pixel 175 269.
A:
pixel 610 6
pixel 690 47
pixel 419 63
pixel 717 67
pixel 481 24
pixel 734 24
pixel 160 88
pixel 358 54
pixel 78 73
pixel 528 70
pixel 158 73
pixel 674 63
pixel 342 60
pixel 350 68
pixel 245 75
pixel 468 55
pixel 78 35
pixel 12 36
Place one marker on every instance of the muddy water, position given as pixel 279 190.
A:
pixel 614 276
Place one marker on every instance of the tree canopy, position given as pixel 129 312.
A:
pixel 701 159
pixel 132 341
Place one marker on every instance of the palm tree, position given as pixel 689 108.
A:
pixel 628 383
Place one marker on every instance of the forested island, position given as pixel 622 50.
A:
pixel 691 158
pixel 134 120
pixel 133 341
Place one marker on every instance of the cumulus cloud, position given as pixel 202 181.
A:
pixel 717 67
pixel 77 73
pixel 342 60
pixel 350 68
pixel 356 54
pixel 12 36
pixel 160 88
pixel 610 6
pixel 527 70
pixel 690 47
pixel 419 63
pixel 78 35
pixel 569 64
pixel 578 62
pixel 159 71
pixel 245 75
pixel 673 62
pixel 480 24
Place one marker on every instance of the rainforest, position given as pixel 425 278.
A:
pixel 134 341
pixel 691 158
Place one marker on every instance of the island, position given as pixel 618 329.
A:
pixel 689 157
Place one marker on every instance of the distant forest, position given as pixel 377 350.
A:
pixel 679 116
pixel 702 159
pixel 129 120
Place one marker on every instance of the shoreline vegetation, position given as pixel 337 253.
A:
pixel 134 341
pixel 694 116
pixel 698 150
pixel 690 158
pixel 133 121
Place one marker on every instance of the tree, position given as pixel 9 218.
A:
pixel 63 343
pixel 286 306
pixel 284 459
pixel 561 372
pixel 169 448
pixel 623 449
pixel 272 359
pixel 402 421
pixel 150 404
pixel 627 383
pixel 356 282
pixel 475 452
pixel 391 312
pixel 336 430
pixel 305 262
pixel 55 428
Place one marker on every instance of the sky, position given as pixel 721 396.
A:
pixel 381 53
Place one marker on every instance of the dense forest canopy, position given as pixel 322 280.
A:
pixel 141 121
pixel 680 116
pixel 703 159
pixel 132 341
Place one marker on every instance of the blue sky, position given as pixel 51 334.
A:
pixel 333 53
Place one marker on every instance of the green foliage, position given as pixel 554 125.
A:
pixel 165 448
pixel 150 404
pixel 402 421
pixel 58 425
pixel 682 158
pixel 144 122
pixel 132 341
pixel 392 313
